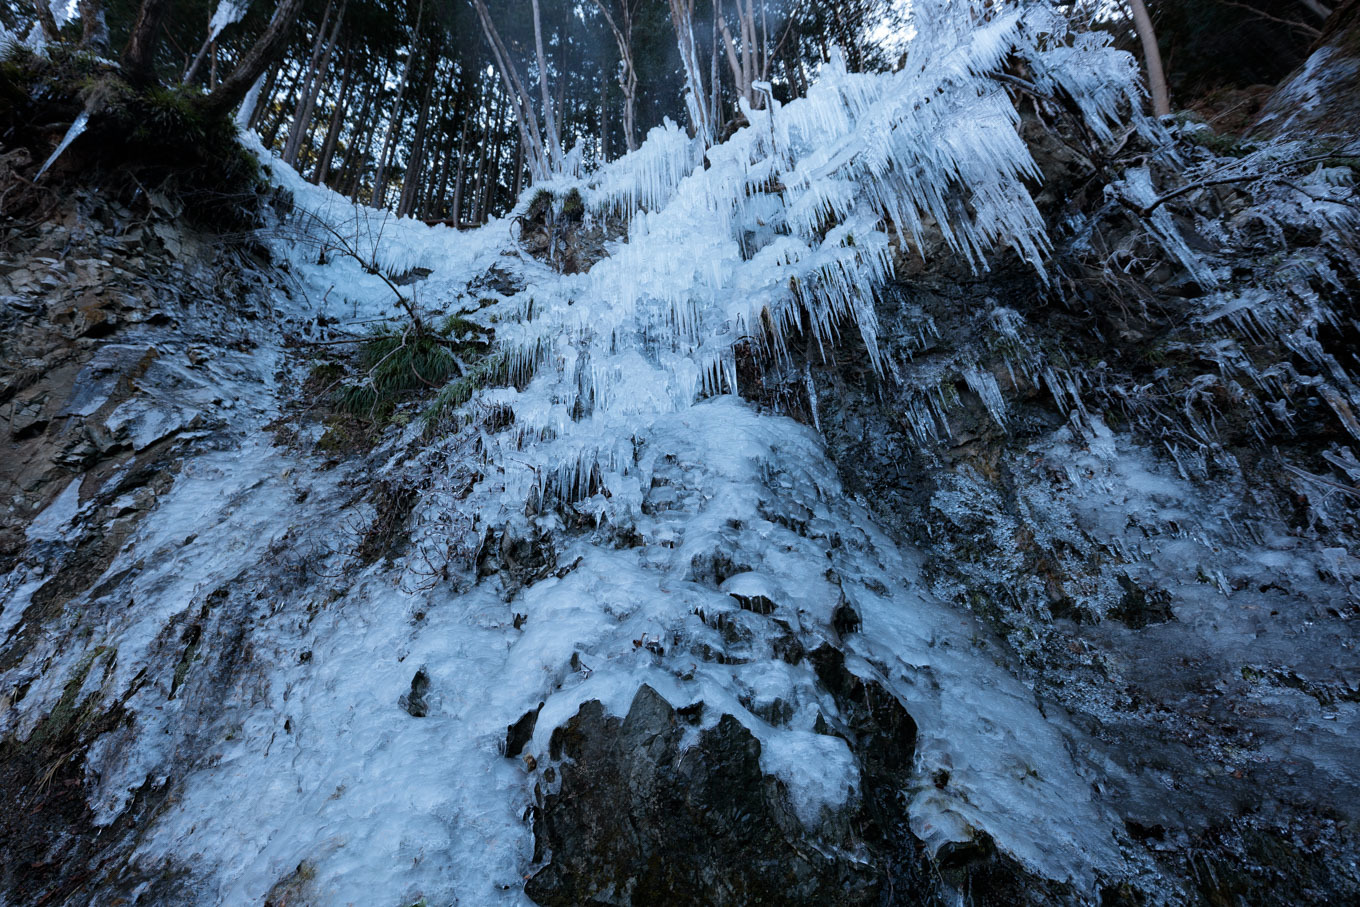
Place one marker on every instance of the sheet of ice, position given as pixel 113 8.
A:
pixel 783 226
pixel 625 414
pixel 54 521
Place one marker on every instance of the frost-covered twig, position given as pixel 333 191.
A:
pixel 1322 480
pixel 370 265
pixel 1212 180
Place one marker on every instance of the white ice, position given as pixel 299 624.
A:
pixel 626 412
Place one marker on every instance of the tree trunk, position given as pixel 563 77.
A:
pixel 452 169
pixel 284 105
pixel 432 194
pixel 445 135
pixel 738 72
pixel 198 60
pixel 549 114
pixel 493 180
pixel 415 163
pixel 604 117
pixel 360 128
pixel 1317 9
pixel 525 118
pixel 255 61
pixel 393 130
pixel 764 68
pixel 95 32
pixel 564 65
pixel 1142 22
pixel 439 205
pixel 323 166
pixel 1346 13
pixel 394 127
pixel 714 100
pixel 457 207
pixel 265 97
pixel 358 183
pixel 388 149
pixel 682 19
pixel 46 21
pixel 519 170
pixel 139 56
pixel 748 50
pixel 316 70
pixel 478 195
pixel 309 112
pixel 628 82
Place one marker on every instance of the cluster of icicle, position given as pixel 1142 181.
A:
pixel 1267 265
pixel 786 227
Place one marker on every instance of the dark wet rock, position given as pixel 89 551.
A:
pixel 557 230
pixel 715 567
pixel 294 888
pixel 518 735
pixel 758 604
pixel 517 560
pixel 414 702
pixel 628 814
pixel 876 725
pixel 1157 629
pixel 1320 95
pixel 44 793
pixel 1140 606
pixel 788 647
pixel 1283 864
pixel 389 533
pixel 845 619
pixel 637 819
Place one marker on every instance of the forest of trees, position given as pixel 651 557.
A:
pixel 445 109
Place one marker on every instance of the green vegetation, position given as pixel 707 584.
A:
pixel 456 327
pixel 540 203
pixel 137 140
pixel 456 394
pixel 395 365
pixel 545 208
pixel 573 206
pixel 1220 143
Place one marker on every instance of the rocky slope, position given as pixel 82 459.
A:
pixel 1040 591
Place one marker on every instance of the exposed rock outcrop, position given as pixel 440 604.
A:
pixel 1104 653
pixel 669 805
pixel 1146 487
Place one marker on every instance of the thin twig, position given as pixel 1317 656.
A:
pixel 1322 480
pixel 1147 210
pixel 1262 14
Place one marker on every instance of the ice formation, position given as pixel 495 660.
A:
pixel 228 12
pixel 625 421
pixel 73 132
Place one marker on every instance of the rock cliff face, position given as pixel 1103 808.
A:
pixel 131 353
pixel 102 359
pixel 1320 96
pixel 1056 607
pixel 1146 488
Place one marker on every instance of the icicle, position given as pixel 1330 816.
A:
pixel 984 385
pixel 72 134
pixel 228 12
pixel 248 104
pixel 811 395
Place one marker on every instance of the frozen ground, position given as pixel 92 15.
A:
pixel 655 500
